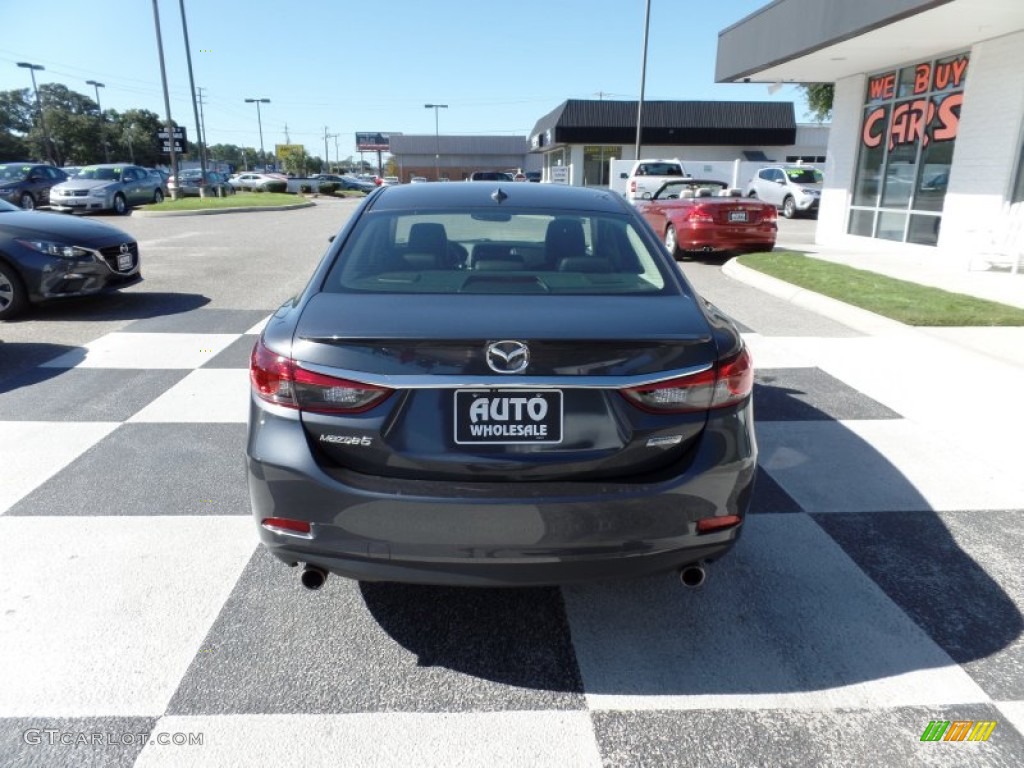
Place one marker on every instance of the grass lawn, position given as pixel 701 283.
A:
pixel 239 200
pixel 908 303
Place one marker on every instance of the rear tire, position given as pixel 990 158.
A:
pixel 27 202
pixel 13 297
pixel 120 204
pixel 671 242
pixel 789 207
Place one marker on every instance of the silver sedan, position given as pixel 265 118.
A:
pixel 109 187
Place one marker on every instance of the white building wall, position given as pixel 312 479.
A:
pixel 988 140
pixel 841 159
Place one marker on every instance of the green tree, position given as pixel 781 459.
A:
pixel 15 123
pixel 819 98
pixel 72 121
pixel 133 136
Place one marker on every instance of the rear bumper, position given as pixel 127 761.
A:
pixel 497 534
pixel 720 239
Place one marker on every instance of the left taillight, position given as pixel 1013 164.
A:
pixel 277 379
pixel 728 383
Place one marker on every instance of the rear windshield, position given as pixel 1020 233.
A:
pixel 802 175
pixel 497 252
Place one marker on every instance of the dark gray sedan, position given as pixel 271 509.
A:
pixel 499 384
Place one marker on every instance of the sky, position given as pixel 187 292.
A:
pixel 348 66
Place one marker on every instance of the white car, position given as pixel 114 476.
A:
pixel 244 181
pixel 791 188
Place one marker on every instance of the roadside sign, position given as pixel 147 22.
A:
pixel 180 140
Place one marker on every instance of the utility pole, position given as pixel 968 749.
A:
pixel 167 99
pixel 327 156
pixel 287 138
pixel 643 81
pixel 437 139
pixel 259 122
pixel 195 107
pixel 103 133
pixel 202 121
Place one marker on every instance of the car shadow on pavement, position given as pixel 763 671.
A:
pixel 126 305
pixel 19 361
pixel 867 592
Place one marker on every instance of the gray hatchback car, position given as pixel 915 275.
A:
pixel 499 384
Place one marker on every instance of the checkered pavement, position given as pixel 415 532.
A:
pixel 877 587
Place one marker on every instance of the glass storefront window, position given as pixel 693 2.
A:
pixel 908 134
pixel 595 164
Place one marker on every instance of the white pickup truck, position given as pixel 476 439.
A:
pixel 647 176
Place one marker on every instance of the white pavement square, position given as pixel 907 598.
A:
pixel 103 615
pixel 151 351
pixel 444 740
pixel 204 396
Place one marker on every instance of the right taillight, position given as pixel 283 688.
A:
pixel 730 382
pixel 277 379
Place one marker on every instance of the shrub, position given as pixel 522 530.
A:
pixel 327 188
pixel 275 186
pixel 305 189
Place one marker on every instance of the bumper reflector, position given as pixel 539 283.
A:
pixel 709 524
pixel 288 527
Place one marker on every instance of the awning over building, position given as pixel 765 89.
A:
pixel 668 123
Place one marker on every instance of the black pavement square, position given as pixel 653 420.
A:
pixel 203 320
pixel 958 597
pixel 810 394
pixel 380 647
pixel 82 394
pixel 150 469
pixel 235 355
pixel 853 738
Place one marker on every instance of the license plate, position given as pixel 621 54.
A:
pixel 124 261
pixel 508 416
pixel 739 216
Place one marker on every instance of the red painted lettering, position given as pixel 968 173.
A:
pixel 922 77
pixel 949 117
pixel 909 121
pixel 882 87
pixel 869 135
pixel 950 74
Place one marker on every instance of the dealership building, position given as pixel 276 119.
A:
pixel 926 146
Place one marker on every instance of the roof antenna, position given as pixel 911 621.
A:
pixel 499 195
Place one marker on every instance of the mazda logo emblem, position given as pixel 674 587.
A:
pixel 508 356
pixel 125 248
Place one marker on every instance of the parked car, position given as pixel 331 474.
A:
pixel 48 256
pixel 163 176
pixel 534 176
pixel 28 184
pixel 345 181
pixel 418 180
pixel 697 215
pixel 107 187
pixel 486 388
pixel 192 182
pixel 792 188
pixel 250 180
pixel 490 176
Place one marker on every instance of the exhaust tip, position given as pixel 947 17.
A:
pixel 692 576
pixel 313 577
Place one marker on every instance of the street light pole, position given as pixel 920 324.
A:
pixel 169 124
pixel 39 107
pixel 437 139
pixel 195 106
pixel 103 133
pixel 259 121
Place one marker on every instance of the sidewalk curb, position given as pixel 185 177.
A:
pixel 859 319
pixel 212 211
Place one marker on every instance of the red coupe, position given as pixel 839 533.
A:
pixel 697 215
